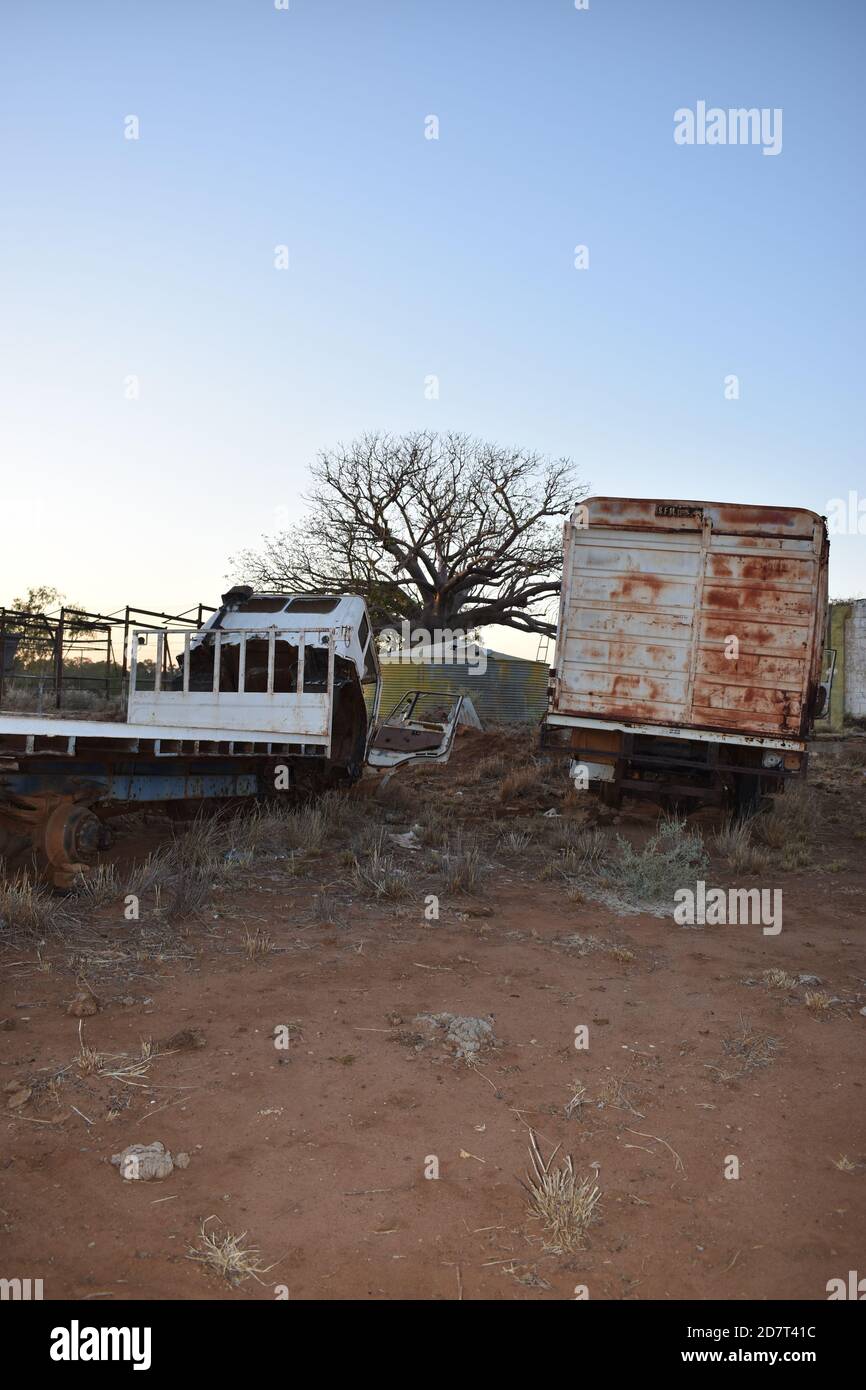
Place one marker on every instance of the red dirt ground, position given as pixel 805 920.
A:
pixel 319 1152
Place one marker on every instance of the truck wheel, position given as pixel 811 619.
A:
pixel 71 836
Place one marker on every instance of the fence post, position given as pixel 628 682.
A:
pixel 58 658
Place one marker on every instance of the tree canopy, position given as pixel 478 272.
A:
pixel 443 531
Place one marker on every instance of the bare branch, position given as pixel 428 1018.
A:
pixel 442 530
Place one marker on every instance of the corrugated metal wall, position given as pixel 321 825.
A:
pixel 509 691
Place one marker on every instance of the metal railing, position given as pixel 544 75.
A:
pixel 214 643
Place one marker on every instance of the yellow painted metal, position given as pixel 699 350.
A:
pixel 509 690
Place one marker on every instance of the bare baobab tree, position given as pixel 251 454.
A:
pixel 440 530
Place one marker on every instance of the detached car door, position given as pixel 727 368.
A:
pixel 420 728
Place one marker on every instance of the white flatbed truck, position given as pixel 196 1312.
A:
pixel 267 696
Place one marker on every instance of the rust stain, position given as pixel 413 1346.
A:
pixel 639 587
pixel 726 598
pixel 765 568
pixel 726 518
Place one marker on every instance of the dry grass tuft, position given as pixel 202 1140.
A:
pixel 200 845
pixel 490 769
pixel 564 1205
pixel 326 909
pixel 146 876
pixel 521 782
pixel 377 873
pixel 795 856
pixel 819 1003
pixel 623 954
pixel 432 826
pixel 580 943
pixel 584 945
pixel 562 831
pixel 749 1049
pixel 780 835
pixel 257 944
pixel 119 1066
pixel 463 867
pixel 583 852
pixel 778 979
pixel 791 823
pixel 734 841
pixel 578 1099
pixel 27 909
pixel 187 892
pixel 89 1060
pixel 307 829
pixel 226 1255
pixel 514 842
pixel 614 1092
pixel 100 886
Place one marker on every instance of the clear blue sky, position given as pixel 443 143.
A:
pixel 411 257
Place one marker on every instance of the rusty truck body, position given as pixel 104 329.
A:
pixel 689 647
pixel 265 697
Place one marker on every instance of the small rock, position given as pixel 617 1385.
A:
pixel 144 1162
pixel 18 1093
pixel 407 841
pixel 808 980
pixel 84 1005
pixel 181 1160
pixel 467 1036
pixel 236 856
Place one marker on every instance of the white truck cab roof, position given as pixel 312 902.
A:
pixel 324 619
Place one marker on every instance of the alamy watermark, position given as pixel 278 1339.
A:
pixel 740 125
pixel 77 1343
pixel 408 646
pixel 731 907
pixel 846 516
pixel 20 1290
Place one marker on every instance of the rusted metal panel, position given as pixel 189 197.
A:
pixel 726 518
pixel 692 615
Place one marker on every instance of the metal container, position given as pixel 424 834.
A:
pixel 686 616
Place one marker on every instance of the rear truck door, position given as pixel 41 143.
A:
pixel 420 729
